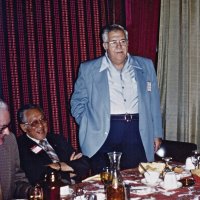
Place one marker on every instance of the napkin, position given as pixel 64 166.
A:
pixel 65 190
pixel 154 166
pixel 93 178
pixel 196 175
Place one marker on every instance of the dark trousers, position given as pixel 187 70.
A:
pixel 123 137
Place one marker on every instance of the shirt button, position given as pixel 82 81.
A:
pixel 124 100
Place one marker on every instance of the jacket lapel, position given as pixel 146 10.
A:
pixel 139 75
pixel 33 148
pixel 101 83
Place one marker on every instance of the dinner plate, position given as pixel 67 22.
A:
pixel 179 184
pixel 151 184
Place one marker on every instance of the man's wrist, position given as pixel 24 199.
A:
pixel 59 165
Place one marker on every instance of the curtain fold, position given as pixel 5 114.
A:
pixel 142 21
pixel 178 69
pixel 42 44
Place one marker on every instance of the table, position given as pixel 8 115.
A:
pixel 133 178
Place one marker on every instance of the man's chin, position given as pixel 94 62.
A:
pixel 41 136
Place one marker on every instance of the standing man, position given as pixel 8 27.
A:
pixel 13 183
pixel 116 104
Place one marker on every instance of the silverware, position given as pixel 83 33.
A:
pixel 143 168
pixel 138 189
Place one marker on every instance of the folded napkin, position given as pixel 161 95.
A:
pixel 93 178
pixel 196 175
pixel 65 190
pixel 154 166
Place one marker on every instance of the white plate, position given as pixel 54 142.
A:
pixel 151 184
pixel 179 184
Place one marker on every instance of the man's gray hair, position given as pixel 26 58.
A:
pixel 113 27
pixel 3 105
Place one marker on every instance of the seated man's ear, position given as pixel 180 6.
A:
pixel 23 127
pixel 105 46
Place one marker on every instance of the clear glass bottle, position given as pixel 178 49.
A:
pixel 115 190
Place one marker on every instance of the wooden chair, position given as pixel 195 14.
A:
pixel 179 151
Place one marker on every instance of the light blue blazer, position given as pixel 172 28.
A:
pixel 90 105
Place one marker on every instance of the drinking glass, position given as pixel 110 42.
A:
pixel 114 158
pixel 106 176
pixel 36 193
pixel 195 158
pixel 167 159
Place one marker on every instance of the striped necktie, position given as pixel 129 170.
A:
pixel 49 150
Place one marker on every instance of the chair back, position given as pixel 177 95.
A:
pixel 179 151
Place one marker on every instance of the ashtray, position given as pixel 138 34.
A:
pixel 187 182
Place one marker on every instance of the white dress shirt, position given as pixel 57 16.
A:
pixel 122 88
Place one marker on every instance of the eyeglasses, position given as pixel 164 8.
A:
pixel 37 122
pixel 115 43
pixel 3 128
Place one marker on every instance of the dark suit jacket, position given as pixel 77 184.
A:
pixel 34 164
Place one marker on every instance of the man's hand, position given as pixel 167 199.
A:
pixel 75 156
pixel 157 143
pixel 62 166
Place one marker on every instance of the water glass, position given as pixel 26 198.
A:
pixel 196 158
pixel 36 193
pixel 106 176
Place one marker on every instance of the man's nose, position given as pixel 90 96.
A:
pixel 119 45
pixel 39 124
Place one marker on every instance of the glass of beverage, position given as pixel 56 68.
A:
pixel 196 158
pixel 36 193
pixel 167 160
pixel 106 176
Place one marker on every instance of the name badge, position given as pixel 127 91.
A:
pixel 148 86
pixel 36 149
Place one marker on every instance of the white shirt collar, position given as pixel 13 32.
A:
pixel 106 62
pixel 35 140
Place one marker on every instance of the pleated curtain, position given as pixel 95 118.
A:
pixel 42 43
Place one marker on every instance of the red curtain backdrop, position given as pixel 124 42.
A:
pixel 43 42
pixel 142 22
pixel 41 46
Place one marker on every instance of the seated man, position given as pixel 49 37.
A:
pixel 39 149
pixel 13 183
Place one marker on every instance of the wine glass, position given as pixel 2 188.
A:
pixel 195 158
pixel 106 176
pixel 36 193
pixel 167 168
